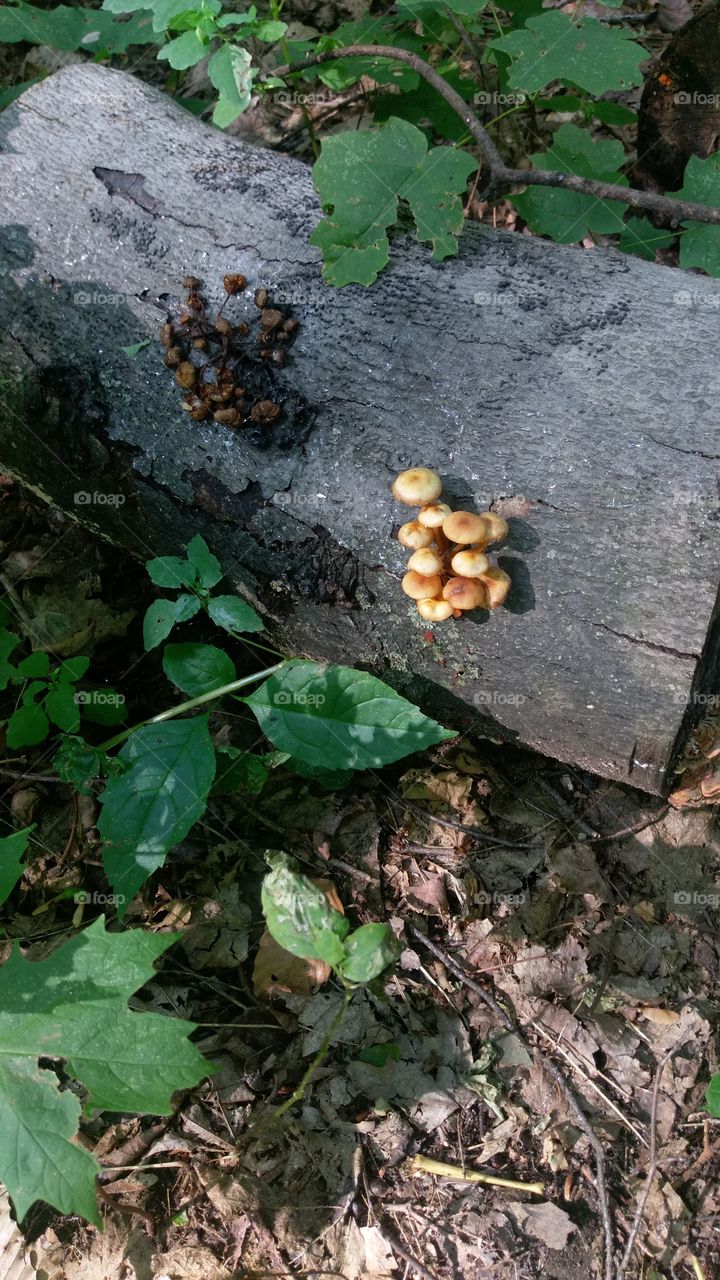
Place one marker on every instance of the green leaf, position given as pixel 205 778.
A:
pixel 238 772
pixel 62 709
pixel 184 51
pixel 233 614
pixel 163 615
pixel 197 668
pixel 8 642
pixel 72 1007
pixel 700 245
pixel 78 763
pixel 565 216
pixel 171 571
pixel 297 913
pixel 154 803
pixel 362 176
pixel 368 951
pixel 713 1095
pixel 12 92
pixel 425 104
pixel 378 1055
pixel 337 718
pixel 12 852
pixel 136 347
pixel 27 726
pixel 69 29
pixel 585 53
pixel 71 669
pixel 36 664
pixel 230 71
pixel 639 236
pixel 204 562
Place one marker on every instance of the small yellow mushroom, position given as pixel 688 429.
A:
pixel 435 610
pixel 417 486
pixel 433 515
pixel 470 563
pixel 414 535
pixel 497 584
pixel 466 593
pixel 498 526
pixel 428 562
pixel 419 587
pixel 465 526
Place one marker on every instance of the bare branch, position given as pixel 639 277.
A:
pixel 499 175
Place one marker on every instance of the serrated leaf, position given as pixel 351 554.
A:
pixel 362 176
pixel 333 717
pixel 233 614
pixel 71 669
pixel 27 726
pixel 564 215
pixel 585 53
pixel 171 571
pixel 230 71
pixel 72 1007
pixel 197 668
pixel 184 51
pixel 699 244
pixel 154 803
pixel 163 615
pixel 78 763
pixel 297 912
pixel 368 951
pixel 713 1095
pixel 66 28
pixel 640 237
pixel 62 709
pixel 206 565
pixel 12 852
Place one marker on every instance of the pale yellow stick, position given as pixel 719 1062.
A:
pixel 695 1263
pixel 422 1164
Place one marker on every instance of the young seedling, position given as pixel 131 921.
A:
pixel 443 579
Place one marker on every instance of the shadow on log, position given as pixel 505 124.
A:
pixel 572 392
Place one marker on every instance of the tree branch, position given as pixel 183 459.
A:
pixel 499 175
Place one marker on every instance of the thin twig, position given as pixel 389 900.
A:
pixel 499 175
pixel 652 1169
pixel 391 1239
pixel 549 1066
pixel 423 1164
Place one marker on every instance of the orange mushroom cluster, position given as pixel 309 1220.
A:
pixel 448 571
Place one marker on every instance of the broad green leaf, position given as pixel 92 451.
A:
pixel 380 1054
pixel 12 92
pixel 585 53
pixel 78 763
pixel 565 216
pixel 162 616
pixel 27 726
pixel 8 642
pixel 197 668
pixel 184 51
pixel 154 803
pixel 12 852
pixel 36 664
pixel 233 614
pixel 230 71
pixel 169 13
pixel 71 669
pixel 360 177
pixel 63 27
pixel 171 571
pixel 297 913
pixel 336 718
pixel 368 951
pixel 639 236
pixel 72 1007
pixel 699 244
pixel 204 562
pixel 62 709
pixel 238 772
pixel 713 1095
pixel 425 104
pixel 463 8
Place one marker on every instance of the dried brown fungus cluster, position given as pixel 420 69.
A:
pixel 449 572
pixel 211 356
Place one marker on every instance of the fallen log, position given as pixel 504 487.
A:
pixel 571 391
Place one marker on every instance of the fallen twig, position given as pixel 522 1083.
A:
pixel 652 1169
pixel 581 1119
pixel 499 175
pixel 424 1164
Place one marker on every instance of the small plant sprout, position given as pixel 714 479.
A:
pixel 443 579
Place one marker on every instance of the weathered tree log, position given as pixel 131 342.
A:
pixel 572 391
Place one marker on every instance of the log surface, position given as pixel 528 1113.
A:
pixel 574 391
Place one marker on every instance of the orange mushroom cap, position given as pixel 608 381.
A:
pixel 465 526
pixel 466 593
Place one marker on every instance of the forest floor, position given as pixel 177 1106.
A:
pixel 545 916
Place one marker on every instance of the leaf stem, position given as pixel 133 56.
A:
pixel 191 704
pixel 299 1092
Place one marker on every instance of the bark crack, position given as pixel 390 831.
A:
pixel 645 644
